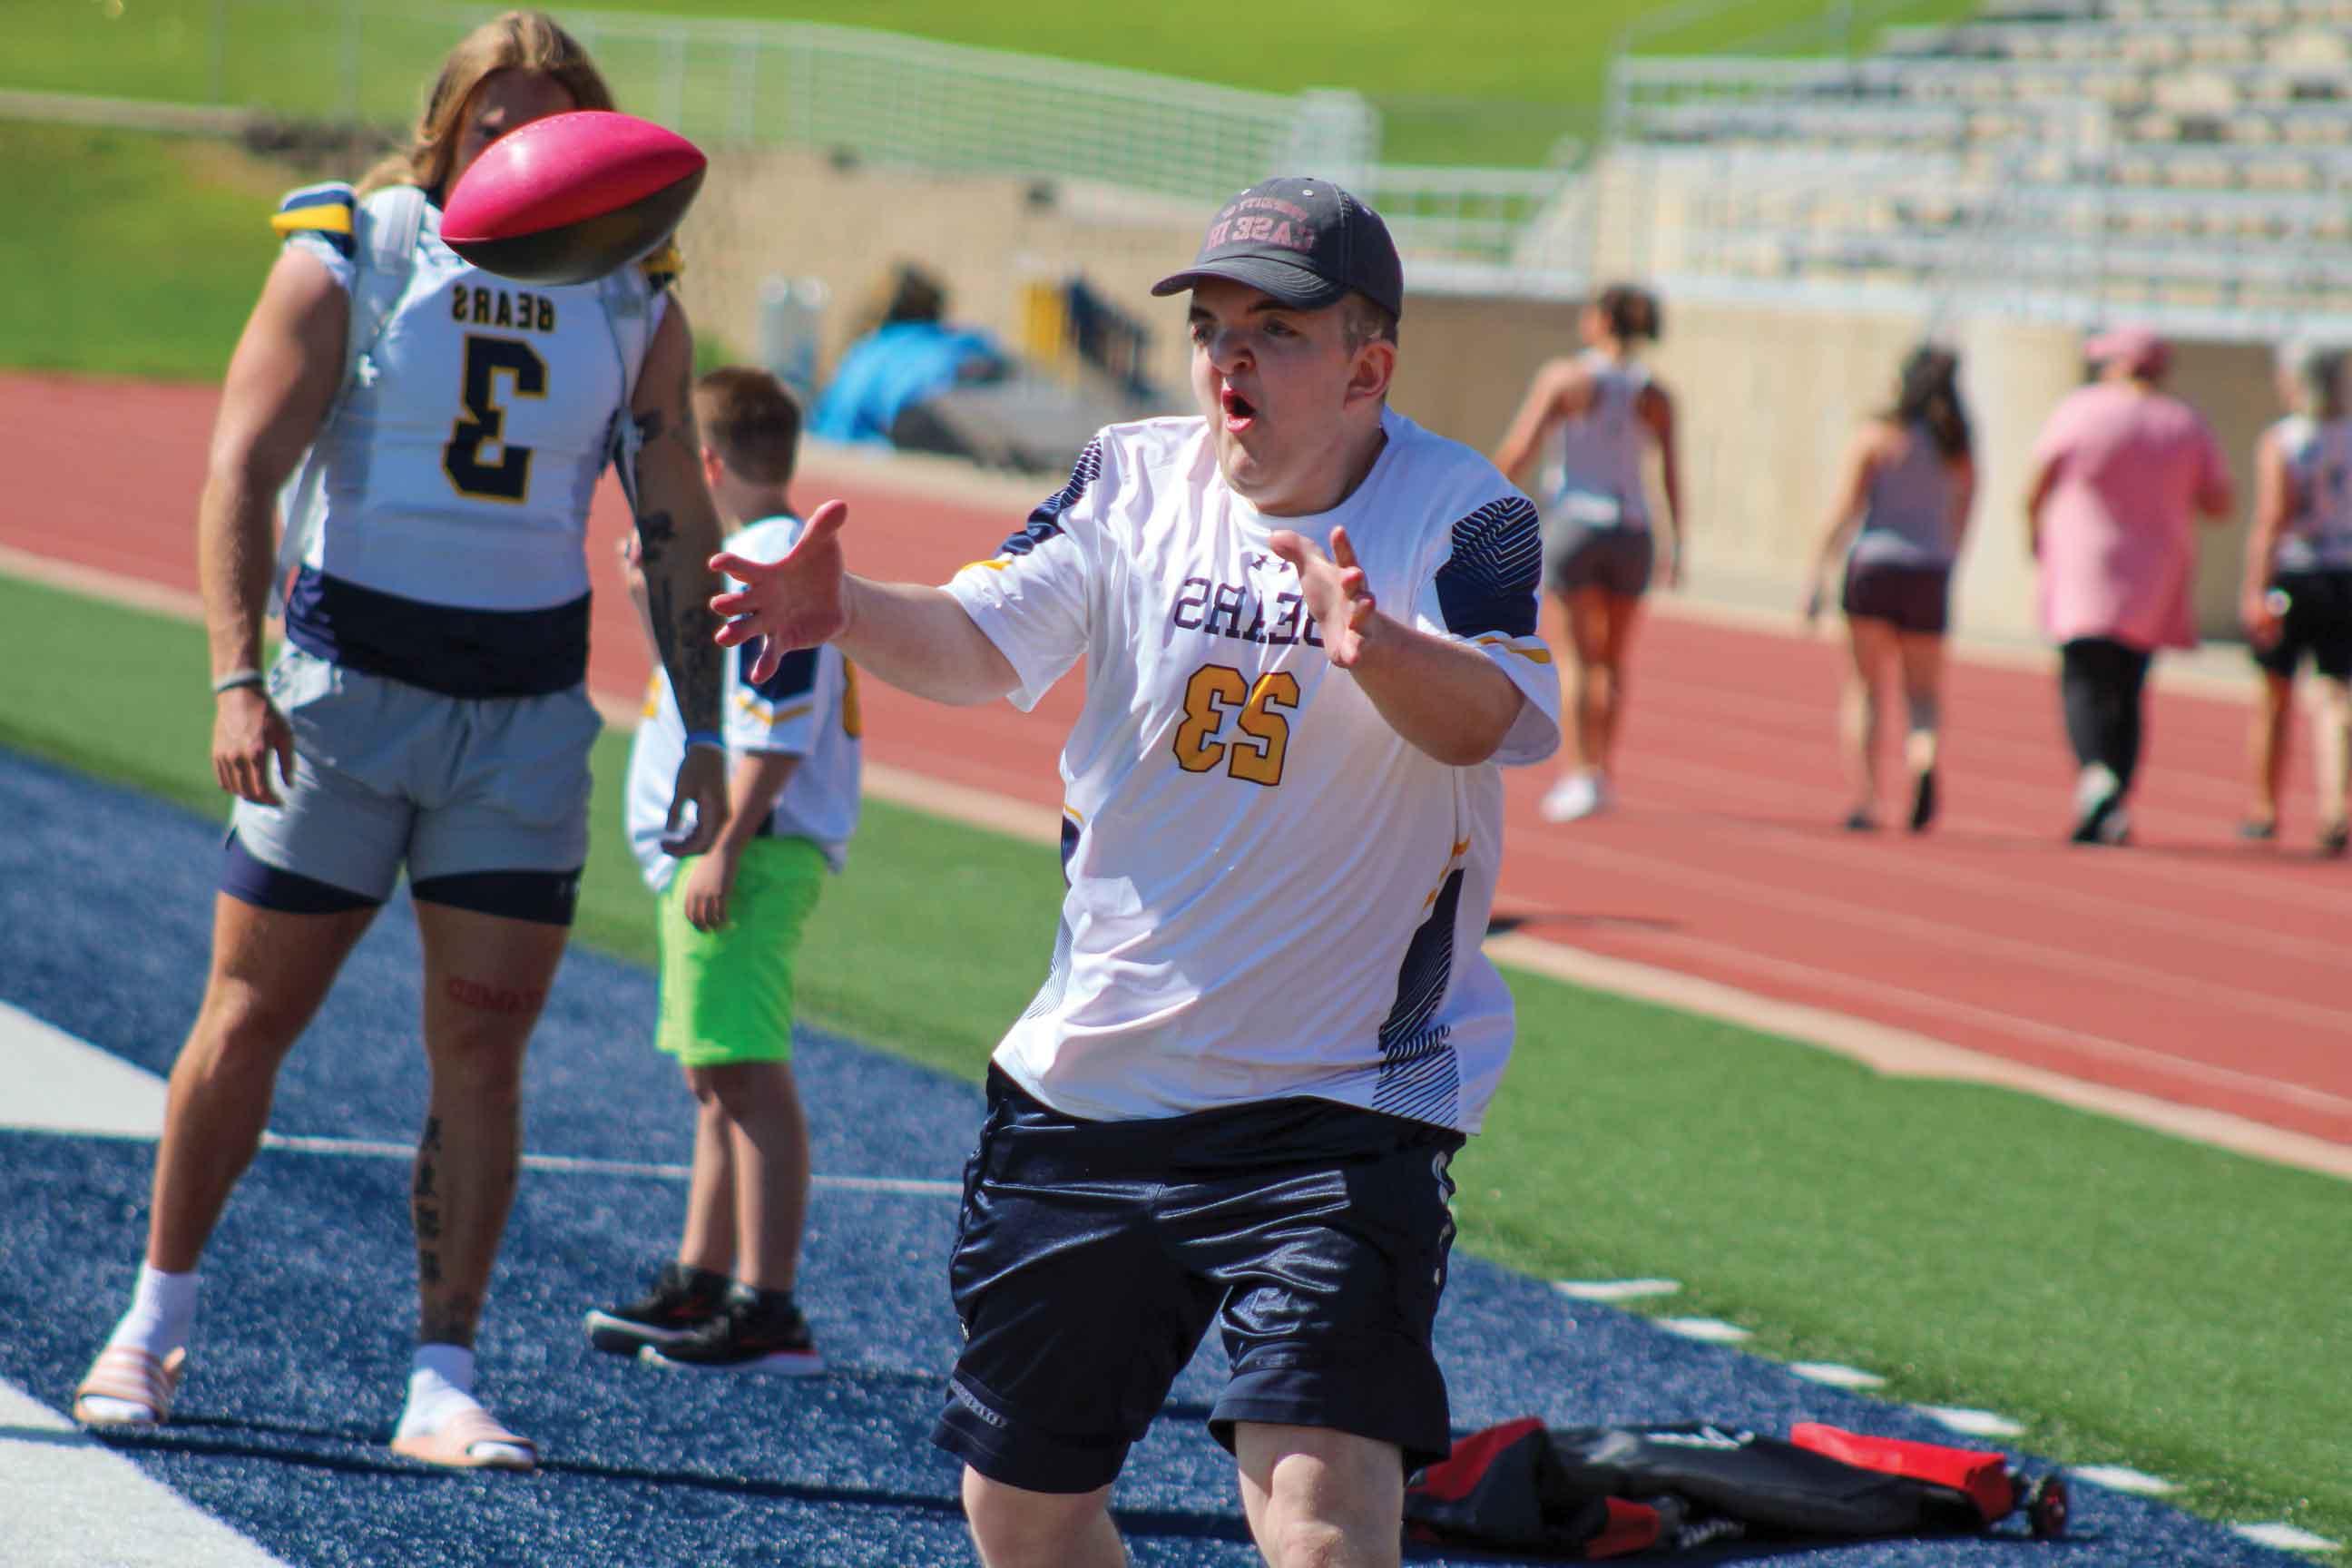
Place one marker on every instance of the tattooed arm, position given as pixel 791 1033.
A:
pixel 677 534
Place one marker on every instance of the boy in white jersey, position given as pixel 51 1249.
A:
pixel 1309 635
pixel 730 925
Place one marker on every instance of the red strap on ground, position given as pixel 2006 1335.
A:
pixel 1451 1479
pixel 1982 1477
pixel 1632 1527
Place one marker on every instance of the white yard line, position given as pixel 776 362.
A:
pixel 60 1084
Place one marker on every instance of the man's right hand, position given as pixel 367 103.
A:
pixel 799 602
pixel 248 732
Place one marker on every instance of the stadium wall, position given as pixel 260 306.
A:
pixel 1768 388
pixel 802 215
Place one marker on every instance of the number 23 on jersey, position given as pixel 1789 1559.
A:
pixel 1262 709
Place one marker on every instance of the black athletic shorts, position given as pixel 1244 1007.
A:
pixel 1616 560
pixel 1916 599
pixel 2318 620
pixel 1092 1256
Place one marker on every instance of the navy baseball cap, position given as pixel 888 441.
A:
pixel 1305 241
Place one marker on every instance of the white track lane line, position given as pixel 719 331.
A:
pixel 69 1502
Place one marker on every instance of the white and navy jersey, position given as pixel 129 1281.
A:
pixel 446 539
pixel 1271 892
pixel 2318 532
pixel 1594 475
pixel 808 710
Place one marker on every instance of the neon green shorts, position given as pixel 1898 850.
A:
pixel 727 995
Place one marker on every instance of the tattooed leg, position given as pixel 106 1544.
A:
pixel 486 978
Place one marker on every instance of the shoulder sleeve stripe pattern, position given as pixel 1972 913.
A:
pixel 1488 584
pixel 664 267
pixel 794 676
pixel 1046 521
pixel 323 209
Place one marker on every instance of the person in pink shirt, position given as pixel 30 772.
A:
pixel 2119 470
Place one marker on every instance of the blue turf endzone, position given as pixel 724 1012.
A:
pixel 302 1342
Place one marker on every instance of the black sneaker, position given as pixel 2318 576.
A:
pixel 2335 839
pixel 1923 800
pixel 681 1301
pixel 757 1330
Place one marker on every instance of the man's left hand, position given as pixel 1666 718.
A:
pixel 702 783
pixel 1337 592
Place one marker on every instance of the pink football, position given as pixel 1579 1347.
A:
pixel 571 197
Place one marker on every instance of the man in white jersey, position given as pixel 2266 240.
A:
pixel 1310 633
pixel 442 430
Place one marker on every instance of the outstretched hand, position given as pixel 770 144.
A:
pixel 797 603
pixel 1337 592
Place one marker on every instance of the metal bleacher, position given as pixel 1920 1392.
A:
pixel 2183 155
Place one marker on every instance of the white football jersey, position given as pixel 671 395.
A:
pixel 808 710
pixel 1271 892
pixel 448 550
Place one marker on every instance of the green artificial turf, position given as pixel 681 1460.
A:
pixel 128 253
pixel 2133 1298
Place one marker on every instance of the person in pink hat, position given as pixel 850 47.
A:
pixel 2120 472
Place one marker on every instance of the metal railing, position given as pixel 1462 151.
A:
pixel 850 93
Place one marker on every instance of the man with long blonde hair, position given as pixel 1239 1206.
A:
pixel 443 430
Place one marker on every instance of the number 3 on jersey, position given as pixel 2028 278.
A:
pixel 1216 689
pixel 485 419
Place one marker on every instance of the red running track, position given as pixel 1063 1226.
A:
pixel 2190 968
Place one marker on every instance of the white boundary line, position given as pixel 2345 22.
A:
pixel 1707 1330
pixel 2287 1537
pixel 1973 1422
pixel 2122 1478
pixel 66 1501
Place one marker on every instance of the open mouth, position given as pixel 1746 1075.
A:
pixel 1239 411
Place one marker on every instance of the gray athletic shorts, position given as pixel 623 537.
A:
pixel 387 773
pixel 1616 560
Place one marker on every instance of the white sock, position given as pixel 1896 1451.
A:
pixel 441 1383
pixel 163 1310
